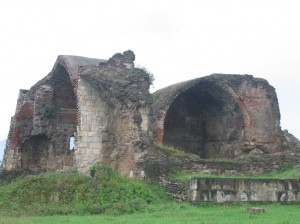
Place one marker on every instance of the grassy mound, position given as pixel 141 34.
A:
pixel 61 193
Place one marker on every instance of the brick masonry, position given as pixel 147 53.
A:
pixel 92 131
pixel 107 107
pixel 218 116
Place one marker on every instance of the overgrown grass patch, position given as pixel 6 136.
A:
pixel 62 194
pixel 174 152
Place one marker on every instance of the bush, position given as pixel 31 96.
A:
pixel 48 112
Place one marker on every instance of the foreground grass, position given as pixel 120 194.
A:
pixel 65 194
pixel 285 173
pixel 179 213
pixel 110 198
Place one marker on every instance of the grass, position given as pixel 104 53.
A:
pixel 174 152
pixel 284 173
pixel 110 198
pixel 63 194
pixel 179 213
pixel 180 153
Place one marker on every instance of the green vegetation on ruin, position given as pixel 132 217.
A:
pixel 284 173
pixel 48 112
pixel 145 72
pixel 175 152
pixel 179 153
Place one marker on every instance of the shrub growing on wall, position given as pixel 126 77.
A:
pixel 48 112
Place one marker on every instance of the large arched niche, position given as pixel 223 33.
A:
pixel 64 95
pixel 35 153
pixel 204 120
pixel 64 100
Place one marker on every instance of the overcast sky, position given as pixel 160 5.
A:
pixel 176 40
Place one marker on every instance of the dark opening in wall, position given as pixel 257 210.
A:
pixel 35 153
pixel 204 120
pixel 63 90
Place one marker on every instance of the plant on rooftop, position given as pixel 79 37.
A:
pixel 149 75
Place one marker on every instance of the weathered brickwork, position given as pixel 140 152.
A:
pixel 44 121
pixel 218 115
pixel 106 106
pixel 122 107
pixel 92 131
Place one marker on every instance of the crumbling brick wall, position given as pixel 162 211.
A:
pixel 41 128
pixel 218 116
pixel 107 107
pixel 114 101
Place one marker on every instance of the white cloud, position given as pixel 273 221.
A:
pixel 175 39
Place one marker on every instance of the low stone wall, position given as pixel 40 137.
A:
pixel 243 190
pixel 175 189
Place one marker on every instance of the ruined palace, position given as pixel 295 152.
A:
pixel 106 107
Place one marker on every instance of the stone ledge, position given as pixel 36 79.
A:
pixel 222 190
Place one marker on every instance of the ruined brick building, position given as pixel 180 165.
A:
pixel 107 108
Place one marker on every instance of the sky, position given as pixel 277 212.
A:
pixel 176 40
